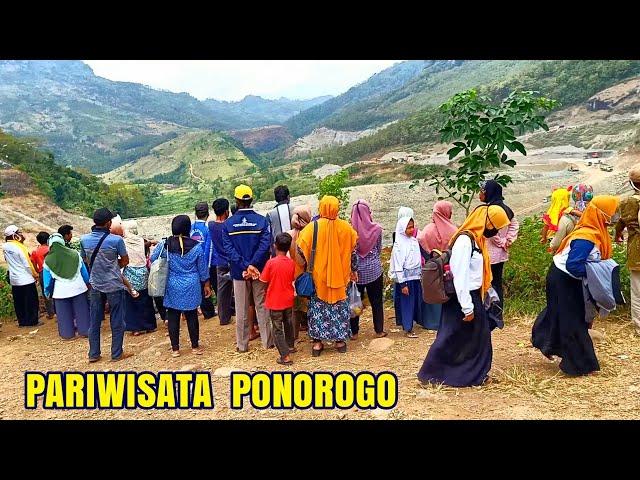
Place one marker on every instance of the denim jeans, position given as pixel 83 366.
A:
pixel 96 308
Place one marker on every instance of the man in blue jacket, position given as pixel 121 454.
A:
pixel 246 239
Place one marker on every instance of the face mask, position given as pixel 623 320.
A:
pixel 615 218
pixel 610 220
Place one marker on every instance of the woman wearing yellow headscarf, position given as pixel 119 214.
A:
pixel 559 203
pixel 561 329
pixel 334 266
pixel 461 354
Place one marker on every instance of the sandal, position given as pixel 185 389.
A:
pixel 137 333
pixel 411 335
pixel 342 348
pixel 381 335
pixel 175 353
pixel 284 362
pixel 197 351
pixel 315 352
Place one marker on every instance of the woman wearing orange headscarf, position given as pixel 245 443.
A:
pixel 335 264
pixel 461 353
pixel 560 329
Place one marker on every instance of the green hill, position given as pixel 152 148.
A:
pixel 191 157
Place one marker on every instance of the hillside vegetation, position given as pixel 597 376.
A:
pixel 432 87
pixel 191 157
pixel 383 82
pixel 70 189
pixel 570 82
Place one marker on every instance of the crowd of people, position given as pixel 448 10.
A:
pixel 252 264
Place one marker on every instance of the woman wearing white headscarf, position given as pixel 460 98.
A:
pixel 405 270
pixel 403 212
pixel 140 315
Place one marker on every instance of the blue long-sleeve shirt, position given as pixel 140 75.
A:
pixel 246 240
pixel 578 254
pixel 185 277
pixel 48 283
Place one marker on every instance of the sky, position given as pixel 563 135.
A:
pixel 232 80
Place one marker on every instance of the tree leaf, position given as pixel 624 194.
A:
pixel 453 152
pixel 520 147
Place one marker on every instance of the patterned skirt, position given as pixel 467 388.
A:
pixel 137 276
pixel 329 322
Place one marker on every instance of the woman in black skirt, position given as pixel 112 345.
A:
pixel 561 329
pixel 461 353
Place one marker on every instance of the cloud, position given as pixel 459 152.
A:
pixel 232 80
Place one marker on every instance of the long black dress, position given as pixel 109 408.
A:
pixel 461 354
pixel 140 315
pixel 561 330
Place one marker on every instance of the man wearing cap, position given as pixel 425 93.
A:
pixel 22 277
pixel 200 233
pixel 629 208
pixel 105 254
pixel 246 240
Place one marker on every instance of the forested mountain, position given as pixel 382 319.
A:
pixel 253 111
pixel 95 123
pixel 379 84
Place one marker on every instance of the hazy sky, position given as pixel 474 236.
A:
pixel 233 79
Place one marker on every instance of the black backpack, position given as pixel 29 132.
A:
pixel 437 279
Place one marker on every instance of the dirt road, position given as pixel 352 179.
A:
pixel 524 385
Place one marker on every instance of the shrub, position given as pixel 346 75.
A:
pixel 6 299
pixel 334 185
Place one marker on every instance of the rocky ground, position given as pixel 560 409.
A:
pixel 523 384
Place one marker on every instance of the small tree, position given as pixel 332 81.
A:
pixel 335 185
pixel 483 131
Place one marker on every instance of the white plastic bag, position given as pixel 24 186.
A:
pixel 355 301
pixel 158 273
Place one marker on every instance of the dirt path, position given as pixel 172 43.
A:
pixel 193 174
pixel 524 385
